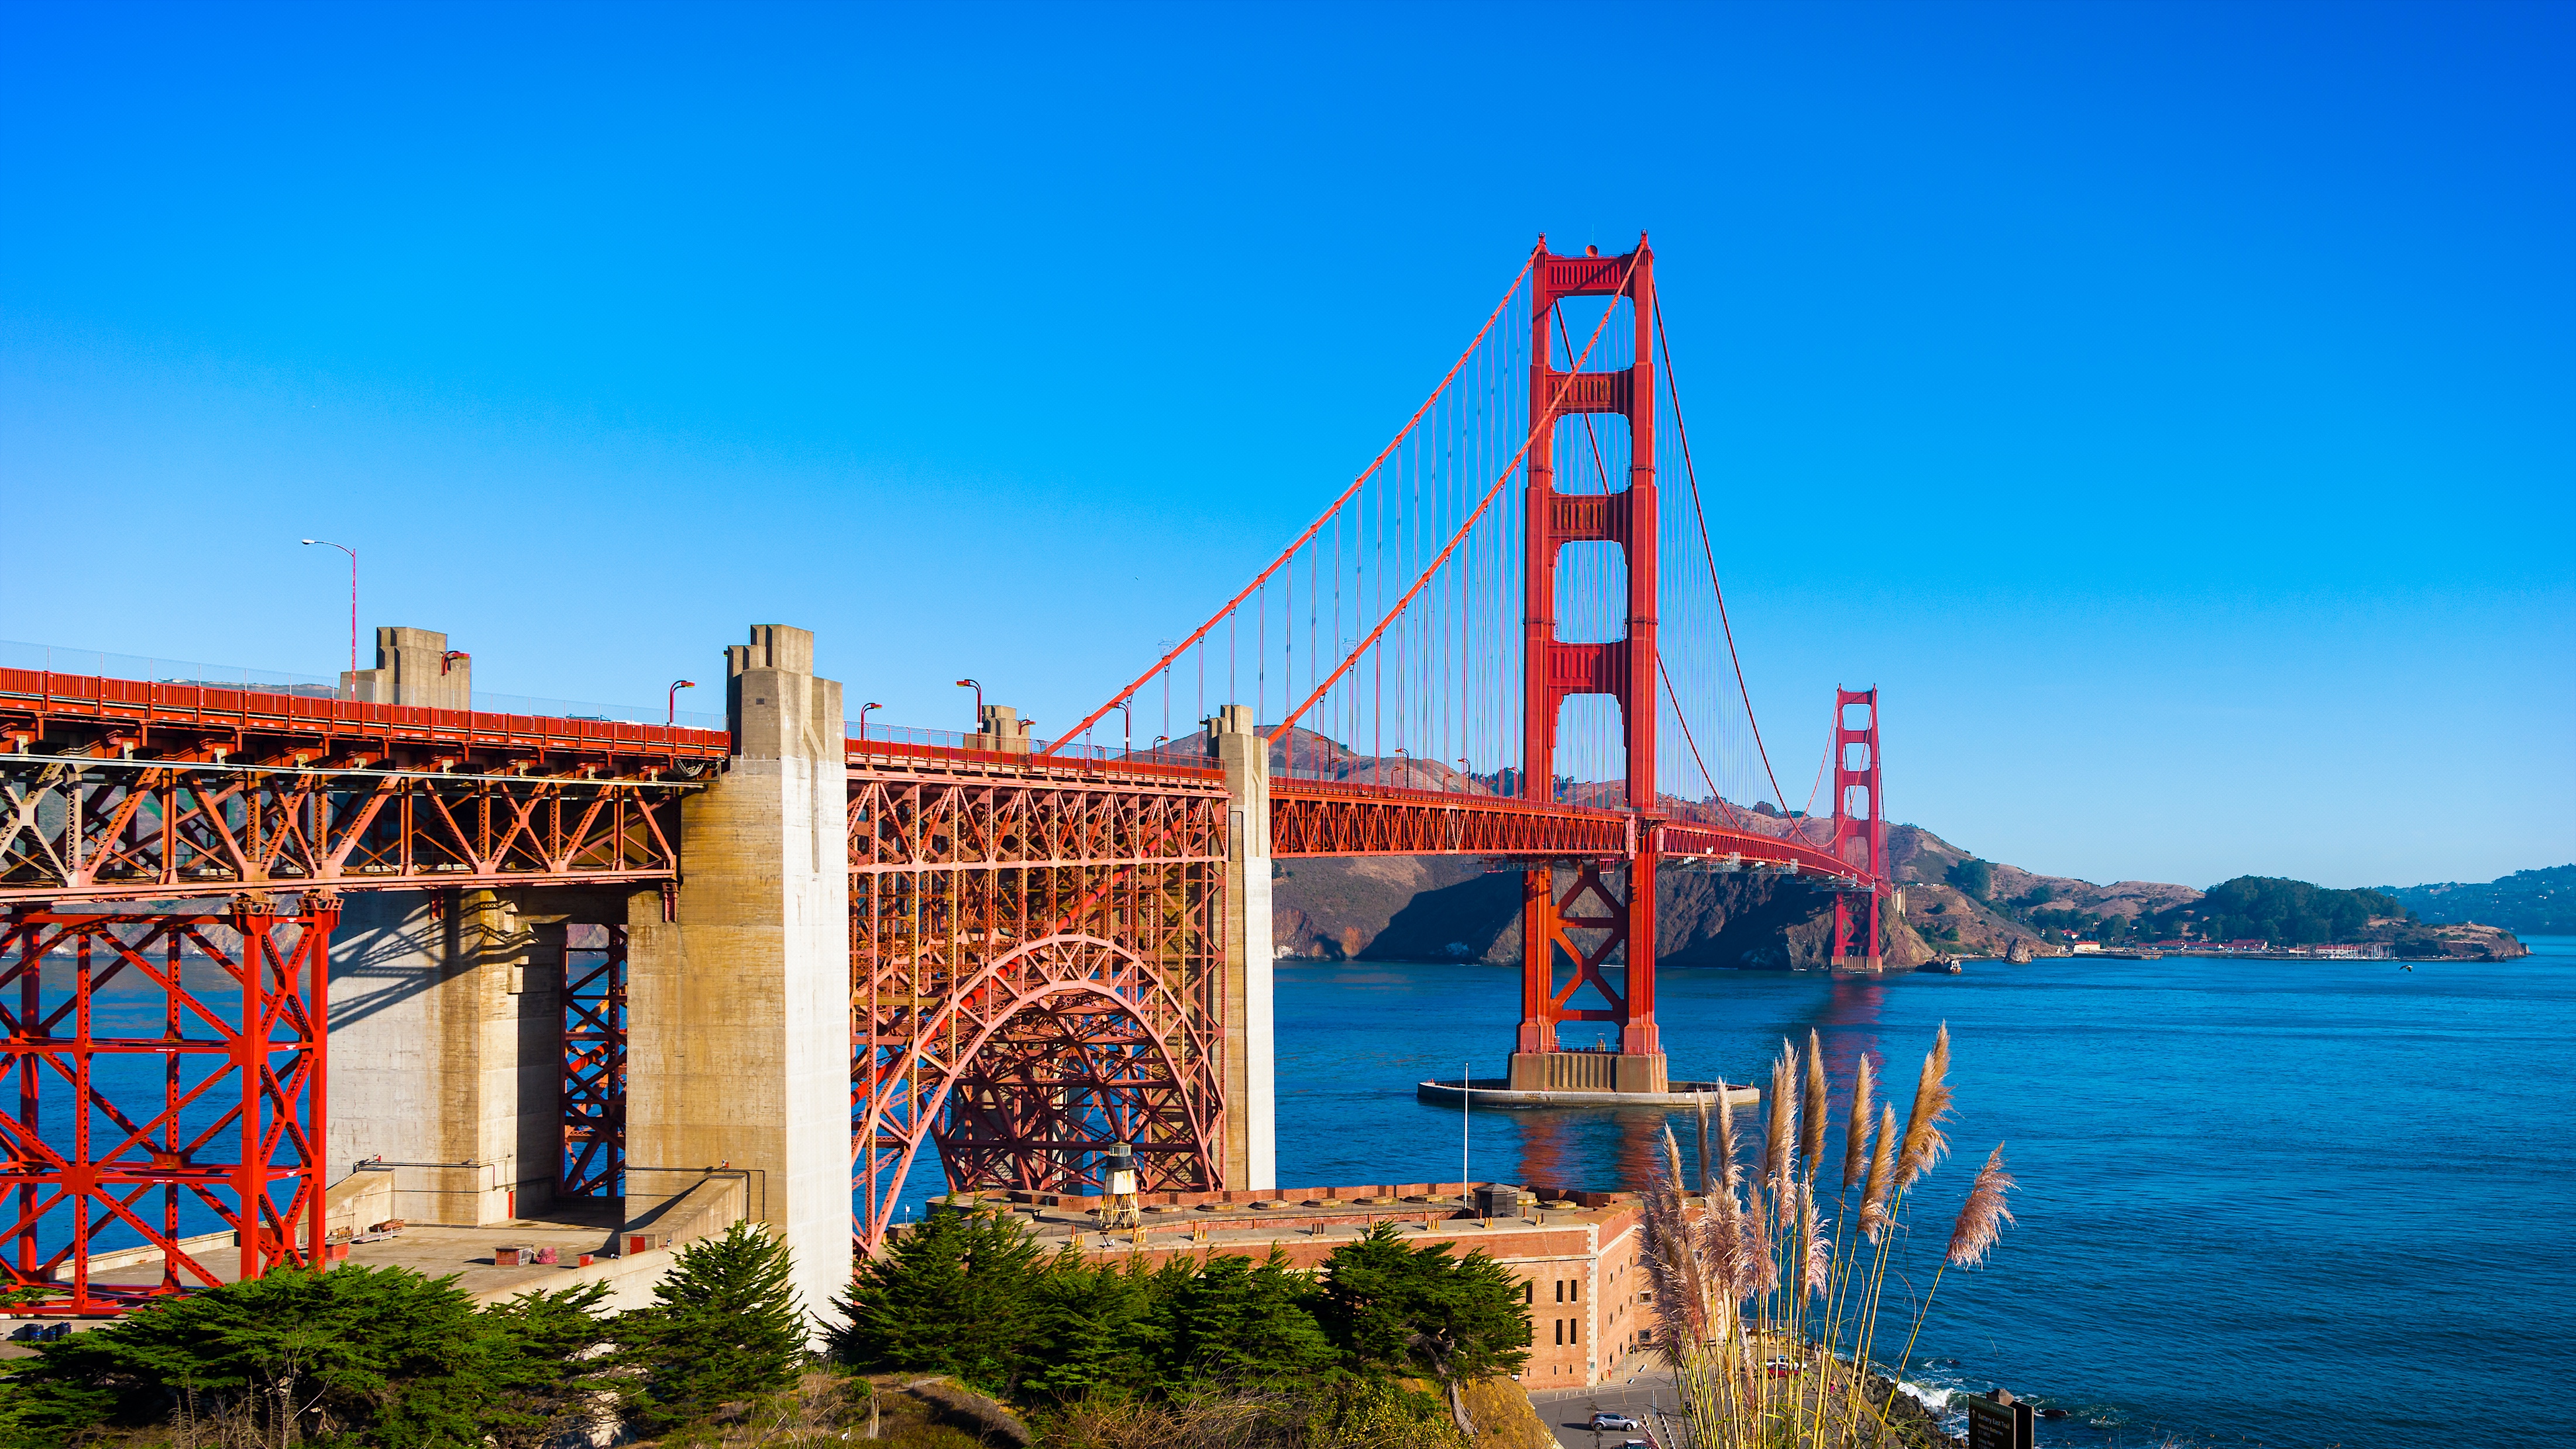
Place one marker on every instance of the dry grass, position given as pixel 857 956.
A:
pixel 1762 1270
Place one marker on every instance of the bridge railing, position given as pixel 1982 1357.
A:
pixel 142 668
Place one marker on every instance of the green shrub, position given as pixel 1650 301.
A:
pixel 725 1326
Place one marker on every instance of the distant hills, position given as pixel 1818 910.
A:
pixel 1433 908
pixel 2527 902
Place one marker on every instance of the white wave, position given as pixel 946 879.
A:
pixel 1935 1399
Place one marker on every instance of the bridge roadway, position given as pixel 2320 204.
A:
pixel 131 790
pixel 565 958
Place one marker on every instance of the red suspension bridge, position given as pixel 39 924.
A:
pixel 1050 945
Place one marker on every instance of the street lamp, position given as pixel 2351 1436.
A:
pixel 353 595
pixel 979 700
pixel 672 714
pixel 863 718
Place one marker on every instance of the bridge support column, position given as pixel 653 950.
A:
pixel 446 1048
pixel 1251 1102
pixel 738 1010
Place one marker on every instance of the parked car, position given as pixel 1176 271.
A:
pixel 1602 1423
pixel 1782 1366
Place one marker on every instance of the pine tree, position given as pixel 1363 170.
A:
pixel 1234 1323
pixel 538 1367
pixel 725 1326
pixel 372 1353
pixel 954 1295
pixel 1394 1309
pixel 1090 1333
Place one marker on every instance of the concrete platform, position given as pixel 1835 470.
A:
pixel 1497 1092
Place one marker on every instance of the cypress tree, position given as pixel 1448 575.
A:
pixel 953 1295
pixel 726 1326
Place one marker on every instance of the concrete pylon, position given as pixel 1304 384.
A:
pixel 413 666
pixel 738 1010
pixel 1252 1141
pixel 446 1049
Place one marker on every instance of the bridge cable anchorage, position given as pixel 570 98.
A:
pixel 1290 552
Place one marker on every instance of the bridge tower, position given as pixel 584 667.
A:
pixel 1615 918
pixel 1860 830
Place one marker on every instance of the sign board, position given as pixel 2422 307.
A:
pixel 2000 1426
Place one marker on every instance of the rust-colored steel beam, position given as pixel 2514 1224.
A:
pixel 1312 817
pixel 88 829
pixel 122 790
pixel 1035 974
pixel 170 1075
pixel 1687 840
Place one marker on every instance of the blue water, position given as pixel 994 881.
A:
pixel 2295 1204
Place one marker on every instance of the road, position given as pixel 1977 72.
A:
pixel 1567 1411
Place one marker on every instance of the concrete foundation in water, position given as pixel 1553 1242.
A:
pixel 1499 1092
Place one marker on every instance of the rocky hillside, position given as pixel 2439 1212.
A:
pixel 1432 908
pixel 2527 902
pixel 1444 908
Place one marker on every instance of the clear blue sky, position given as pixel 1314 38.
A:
pixel 2173 407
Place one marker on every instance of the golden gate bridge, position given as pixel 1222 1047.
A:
pixel 807 949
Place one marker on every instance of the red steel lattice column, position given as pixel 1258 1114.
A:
pixel 1624 669
pixel 108 1148
pixel 1860 835
pixel 593 1163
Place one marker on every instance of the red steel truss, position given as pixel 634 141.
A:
pixel 1602 932
pixel 120 790
pixel 594 1069
pixel 123 830
pixel 1312 817
pixel 1860 832
pixel 1035 975
pixel 170 1087
pixel 1744 848
pixel 1625 669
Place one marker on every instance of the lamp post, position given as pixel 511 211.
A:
pixel 1127 728
pixel 863 719
pixel 671 716
pixel 979 700
pixel 353 595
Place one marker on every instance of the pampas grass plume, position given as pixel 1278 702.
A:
pixel 1882 1172
pixel 1856 1130
pixel 1811 1142
pixel 1783 1138
pixel 1925 1143
pixel 1820 1249
pixel 1982 1220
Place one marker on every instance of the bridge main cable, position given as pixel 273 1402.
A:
pixel 1290 552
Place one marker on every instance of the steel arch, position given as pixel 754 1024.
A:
pixel 1058 991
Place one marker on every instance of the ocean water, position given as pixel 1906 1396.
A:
pixel 2296 1204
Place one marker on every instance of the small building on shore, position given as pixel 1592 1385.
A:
pixel 1575 1253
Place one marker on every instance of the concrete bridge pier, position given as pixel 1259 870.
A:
pixel 1251 1143
pixel 447 1050
pixel 738 1010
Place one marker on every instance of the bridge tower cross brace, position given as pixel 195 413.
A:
pixel 1624 669
pixel 1860 828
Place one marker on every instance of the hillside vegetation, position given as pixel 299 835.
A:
pixel 2527 902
